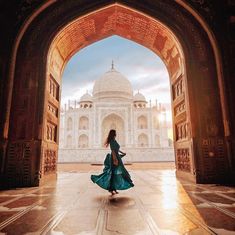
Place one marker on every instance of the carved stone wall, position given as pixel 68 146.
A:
pixel 182 125
pixel 200 105
pixel 20 166
pixel 213 150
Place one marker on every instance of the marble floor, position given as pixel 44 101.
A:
pixel 158 204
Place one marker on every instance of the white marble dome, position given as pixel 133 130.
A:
pixel 112 85
pixel 86 98
pixel 139 98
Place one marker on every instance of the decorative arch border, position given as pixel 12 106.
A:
pixel 86 137
pixel 181 153
pixel 182 3
pixel 86 118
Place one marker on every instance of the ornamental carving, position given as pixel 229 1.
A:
pixel 180 108
pixel 181 131
pixel 52 109
pixel 51 132
pixel 183 159
pixel 49 160
pixel 19 162
pixel 105 113
pixel 178 88
pixel 53 88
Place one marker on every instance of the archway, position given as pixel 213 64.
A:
pixel 164 27
pixel 83 141
pixel 113 121
pixel 142 122
pixel 83 123
pixel 142 140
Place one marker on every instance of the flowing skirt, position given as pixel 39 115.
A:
pixel 113 177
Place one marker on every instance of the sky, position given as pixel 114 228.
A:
pixel 143 68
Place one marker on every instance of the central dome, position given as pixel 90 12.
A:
pixel 112 85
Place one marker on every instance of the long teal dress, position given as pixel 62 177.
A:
pixel 113 177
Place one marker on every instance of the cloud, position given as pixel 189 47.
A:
pixel 142 67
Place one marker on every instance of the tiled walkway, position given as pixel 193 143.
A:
pixel 158 204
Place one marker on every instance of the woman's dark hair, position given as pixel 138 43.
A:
pixel 112 134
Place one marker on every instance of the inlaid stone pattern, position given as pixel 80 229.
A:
pixel 158 204
pixel 183 159
pixel 120 21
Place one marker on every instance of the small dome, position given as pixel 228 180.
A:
pixel 139 98
pixel 111 85
pixel 86 98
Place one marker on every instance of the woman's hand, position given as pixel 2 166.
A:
pixel 122 152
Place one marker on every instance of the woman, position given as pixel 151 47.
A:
pixel 115 176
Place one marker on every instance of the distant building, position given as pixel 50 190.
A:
pixel 141 129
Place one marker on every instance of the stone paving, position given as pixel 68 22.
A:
pixel 158 204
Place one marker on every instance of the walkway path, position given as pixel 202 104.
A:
pixel 158 204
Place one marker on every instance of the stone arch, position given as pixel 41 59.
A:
pixel 83 123
pixel 113 121
pixel 142 122
pixel 83 141
pixel 69 124
pixel 173 27
pixel 143 140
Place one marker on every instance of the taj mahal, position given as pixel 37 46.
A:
pixel 141 126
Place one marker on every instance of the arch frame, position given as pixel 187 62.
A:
pixel 37 131
pixel 118 116
pixel 80 138
pixel 83 118
pixel 146 139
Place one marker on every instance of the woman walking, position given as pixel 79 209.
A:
pixel 115 176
